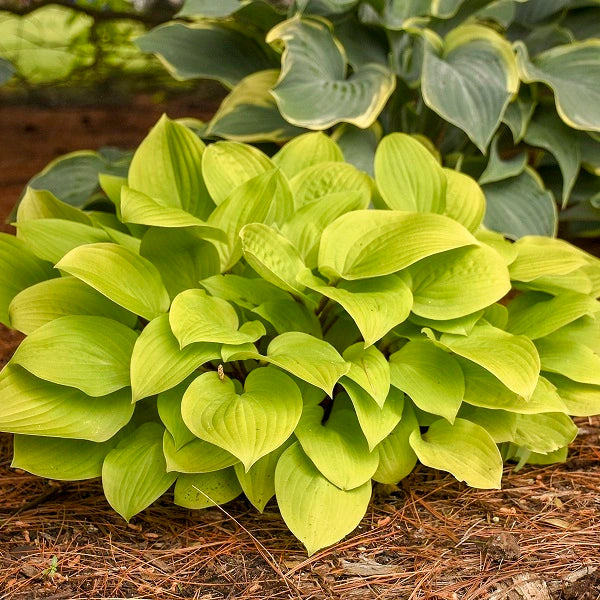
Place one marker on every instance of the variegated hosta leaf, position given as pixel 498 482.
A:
pixel 314 90
pixel 547 131
pixel 464 449
pixel 249 425
pixel 573 73
pixel 189 51
pixel 472 82
pixel 317 512
pixel 520 206
pixel 250 114
pixel 364 244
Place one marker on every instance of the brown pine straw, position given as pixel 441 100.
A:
pixel 537 538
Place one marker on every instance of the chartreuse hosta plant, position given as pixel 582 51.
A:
pixel 249 324
pixel 507 90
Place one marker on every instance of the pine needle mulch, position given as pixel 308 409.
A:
pixel 431 538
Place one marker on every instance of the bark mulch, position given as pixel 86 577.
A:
pixel 431 537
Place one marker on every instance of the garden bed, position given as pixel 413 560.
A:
pixel 430 537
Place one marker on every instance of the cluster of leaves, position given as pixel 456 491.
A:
pixel 246 323
pixel 508 90
pixel 73 43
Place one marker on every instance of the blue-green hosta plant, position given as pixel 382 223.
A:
pixel 246 324
pixel 507 90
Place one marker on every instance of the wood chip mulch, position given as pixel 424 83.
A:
pixel 536 539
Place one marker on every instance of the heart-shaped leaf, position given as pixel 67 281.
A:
pixel 306 150
pixel 158 363
pixel 89 353
pixel 308 358
pixel 249 425
pixel 464 449
pixel 364 243
pixel 513 359
pixel 407 175
pixel 439 282
pixel 58 297
pixel 166 166
pixel 317 512
pixel 204 490
pixel 197 317
pixel 59 458
pixel 472 82
pixel 33 406
pixel 134 474
pixel 121 275
pixel 438 390
pixel 337 448
pixel 376 305
pixel 313 90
